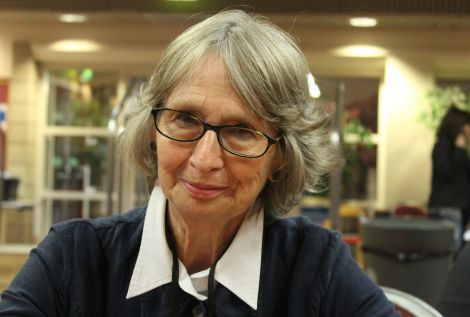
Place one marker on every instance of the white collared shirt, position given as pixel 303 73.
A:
pixel 238 269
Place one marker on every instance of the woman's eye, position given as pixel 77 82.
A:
pixel 185 120
pixel 242 133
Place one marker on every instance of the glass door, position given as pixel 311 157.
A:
pixel 75 144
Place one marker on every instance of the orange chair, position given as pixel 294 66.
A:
pixel 350 216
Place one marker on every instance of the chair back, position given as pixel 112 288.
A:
pixel 409 210
pixel 409 254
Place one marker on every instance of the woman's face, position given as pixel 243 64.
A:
pixel 200 179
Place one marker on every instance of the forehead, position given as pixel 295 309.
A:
pixel 208 92
pixel 207 79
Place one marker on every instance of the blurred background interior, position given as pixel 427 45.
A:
pixel 388 68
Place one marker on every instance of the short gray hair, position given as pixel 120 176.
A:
pixel 269 72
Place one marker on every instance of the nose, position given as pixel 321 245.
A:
pixel 207 154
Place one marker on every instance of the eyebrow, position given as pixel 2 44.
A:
pixel 194 109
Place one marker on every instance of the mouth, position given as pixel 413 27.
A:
pixel 203 191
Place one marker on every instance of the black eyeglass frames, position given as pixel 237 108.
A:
pixel 236 139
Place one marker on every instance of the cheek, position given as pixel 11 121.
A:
pixel 169 159
pixel 252 177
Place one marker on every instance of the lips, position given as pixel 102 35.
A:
pixel 203 191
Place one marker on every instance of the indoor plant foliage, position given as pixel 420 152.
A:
pixel 439 100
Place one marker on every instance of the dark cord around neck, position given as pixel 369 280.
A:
pixel 175 274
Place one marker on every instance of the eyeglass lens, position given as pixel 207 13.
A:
pixel 180 126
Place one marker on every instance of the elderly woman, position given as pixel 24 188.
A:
pixel 227 132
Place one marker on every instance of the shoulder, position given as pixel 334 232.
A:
pixel 306 255
pixel 131 217
pixel 300 231
pixel 103 230
pixel 304 246
pixel 321 267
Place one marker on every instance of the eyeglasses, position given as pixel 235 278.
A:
pixel 238 140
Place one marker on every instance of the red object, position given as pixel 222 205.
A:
pixel 3 91
pixel 352 239
pixel 404 312
pixel 409 210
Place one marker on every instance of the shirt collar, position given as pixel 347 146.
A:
pixel 238 269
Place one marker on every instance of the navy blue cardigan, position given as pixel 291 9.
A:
pixel 83 268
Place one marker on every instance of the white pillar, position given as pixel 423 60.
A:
pixel 404 157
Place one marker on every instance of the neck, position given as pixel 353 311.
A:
pixel 200 243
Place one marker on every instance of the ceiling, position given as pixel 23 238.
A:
pixel 453 7
pixel 311 19
pixel 330 13
pixel 134 32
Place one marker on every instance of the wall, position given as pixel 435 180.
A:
pixel 6 56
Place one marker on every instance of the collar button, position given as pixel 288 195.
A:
pixel 199 311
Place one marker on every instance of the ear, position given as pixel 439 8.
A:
pixel 274 175
pixel 276 166
pixel 153 146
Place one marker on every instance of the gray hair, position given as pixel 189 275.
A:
pixel 269 73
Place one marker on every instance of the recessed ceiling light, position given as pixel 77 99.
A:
pixel 360 51
pixel 363 22
pixel 77 46
pixel 72 18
